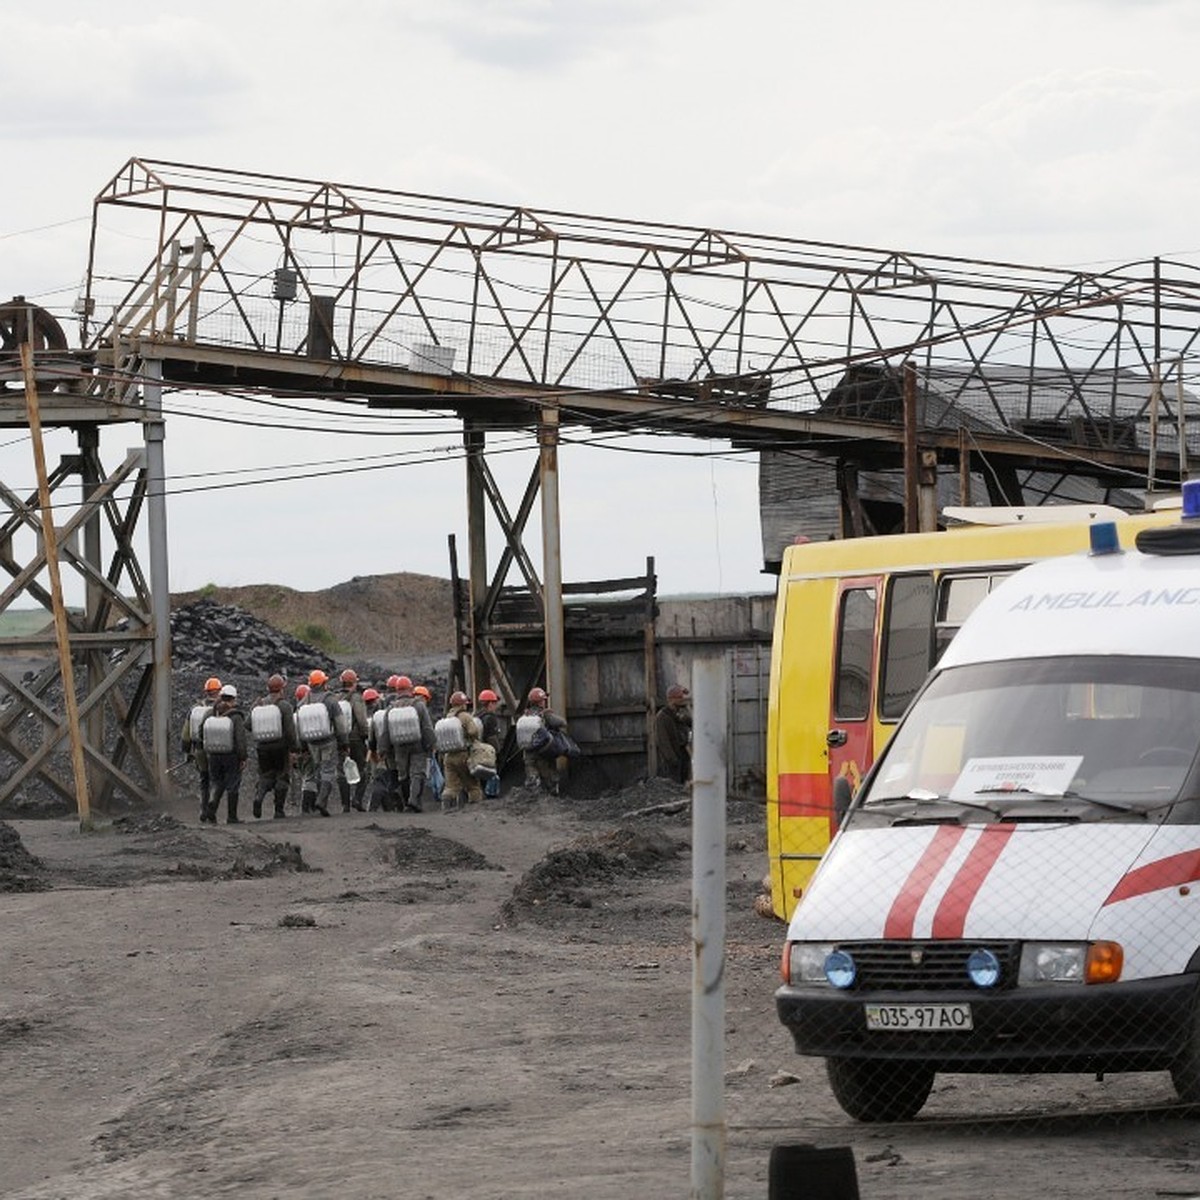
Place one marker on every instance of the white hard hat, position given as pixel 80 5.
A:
pixel 229 692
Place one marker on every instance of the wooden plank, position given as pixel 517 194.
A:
pixel 50 541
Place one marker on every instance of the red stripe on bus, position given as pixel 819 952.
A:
pixel 951 916
pixel 1174 871
pixel 805 795
pixel 903 913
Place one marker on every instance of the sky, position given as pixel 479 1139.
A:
pixel 1047 132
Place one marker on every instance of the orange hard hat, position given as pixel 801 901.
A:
pixel 458 699
pixel 487 696
pixel 349 676
pixel 403 683
pixel 370 695
pixel 422 691
pixel 537 696
pixel 317 678
pixel 301 691
pixel 275 683
pixel 212 685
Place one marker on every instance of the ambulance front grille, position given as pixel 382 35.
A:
pixel 926 966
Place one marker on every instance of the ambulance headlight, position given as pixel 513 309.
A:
pixel 804 962
pixel 1071 962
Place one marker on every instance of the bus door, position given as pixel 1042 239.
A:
pixel 849 740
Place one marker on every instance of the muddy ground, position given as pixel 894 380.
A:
pixel 494 1003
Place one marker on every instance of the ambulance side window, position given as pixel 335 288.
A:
pixel 856 644
pixel 907 642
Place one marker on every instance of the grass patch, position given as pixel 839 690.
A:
pixel 315 634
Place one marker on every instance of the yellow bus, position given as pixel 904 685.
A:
pixel 859 623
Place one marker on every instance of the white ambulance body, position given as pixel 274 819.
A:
pixel 1017 885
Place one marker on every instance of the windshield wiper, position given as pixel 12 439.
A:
pixel 1053 794
pixel 1123 806
pixel 919 797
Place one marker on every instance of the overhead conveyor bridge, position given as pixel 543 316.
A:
pixel 510 316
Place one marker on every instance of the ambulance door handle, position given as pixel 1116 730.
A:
pixel 835 737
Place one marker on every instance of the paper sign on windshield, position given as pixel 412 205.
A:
pixel 1048 775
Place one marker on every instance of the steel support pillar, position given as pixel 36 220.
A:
pixel 474 441
pixel 556 660
pixel 89 479
pixel 160 587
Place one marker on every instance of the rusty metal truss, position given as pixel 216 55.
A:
pixel 496 301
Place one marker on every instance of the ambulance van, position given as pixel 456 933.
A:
pixel 1016 885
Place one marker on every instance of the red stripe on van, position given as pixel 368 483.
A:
pixel 903 913
pixel 951 916
pixel 1174 871
pixel 805 795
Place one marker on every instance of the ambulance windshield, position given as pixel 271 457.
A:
pixel 1087 737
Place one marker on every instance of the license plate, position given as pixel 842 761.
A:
pixel 919 1018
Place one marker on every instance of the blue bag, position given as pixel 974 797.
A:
pixel 437 781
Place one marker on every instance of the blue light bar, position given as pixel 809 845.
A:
pixel 1103 536
pixel 1191 499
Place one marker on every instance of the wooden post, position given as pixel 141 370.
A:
pixel 62 634
pixel 964 468
pixel 650 650
pixel 912 521
pixel 1181 424
pixel 927 511
pixel 1152 460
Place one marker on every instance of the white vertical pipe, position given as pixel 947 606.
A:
pixel 709 735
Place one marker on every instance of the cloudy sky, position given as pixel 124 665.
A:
pixel 1049 132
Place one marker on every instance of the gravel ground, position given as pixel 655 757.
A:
pixel 493 1003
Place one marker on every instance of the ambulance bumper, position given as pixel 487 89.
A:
pixel 1136 1026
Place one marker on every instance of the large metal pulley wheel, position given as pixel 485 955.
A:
pixel 22 322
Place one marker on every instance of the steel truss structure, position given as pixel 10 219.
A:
pixel 507 314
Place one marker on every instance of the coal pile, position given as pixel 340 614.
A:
pixel 223 639
pixel 20 871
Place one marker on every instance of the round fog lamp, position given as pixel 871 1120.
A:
pixel 840 969
pixel 984 968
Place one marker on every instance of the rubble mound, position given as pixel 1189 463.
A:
pixel 566 876
pixel 256 860
pixel 418 849
pixel 20 871
pixel 222 638
pixel 146 822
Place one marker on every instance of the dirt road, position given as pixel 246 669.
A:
pixel 474 1004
